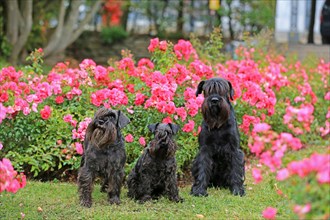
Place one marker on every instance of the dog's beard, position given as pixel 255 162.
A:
pixel 104 135
pixel 215 115
pixel 162 146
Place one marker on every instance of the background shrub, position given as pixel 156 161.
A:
pixel 110 35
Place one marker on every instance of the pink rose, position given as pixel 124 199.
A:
pixel 163 45
pixel 142 141
pixel 189 126
pixel 269 213
pixel 129 138
pixel 67 118
pixel 59 99
pixel 256 173
pixel 282 174
pixel 153 44
pixel 45 112
pixel 79 148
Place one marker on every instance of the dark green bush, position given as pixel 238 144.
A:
pixel 110 35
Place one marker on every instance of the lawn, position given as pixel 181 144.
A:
pixel 58 200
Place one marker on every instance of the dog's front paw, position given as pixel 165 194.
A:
pixel 180 199
pixel 176 199
pixel 114 200
pixel 198 192
pixel 86 203
pixel 238 191
pixel 144 199
pixel 104 188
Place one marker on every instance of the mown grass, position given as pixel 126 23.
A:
pixel 54 200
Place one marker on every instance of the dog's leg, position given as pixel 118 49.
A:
pixel 171 185
pixel 144 191
pixel 237 174
pixel 144 187
pixel 114 186
pixel 85 186
pixel 132 184
pixel 201 171
pixel 104 185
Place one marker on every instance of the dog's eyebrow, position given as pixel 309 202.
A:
pixel 109 114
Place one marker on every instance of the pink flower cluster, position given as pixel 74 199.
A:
pixel 317 163
pixel 247 76
pixel 78 134
pixel 303 115
pixel 184 49
pixel 16 95
pixel 9 179
pixel 109 97
pixel 156 44
pixel 301 210
pixel 270 147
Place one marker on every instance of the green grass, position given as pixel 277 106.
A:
pixel 60 201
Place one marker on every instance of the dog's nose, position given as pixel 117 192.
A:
pixel 214 100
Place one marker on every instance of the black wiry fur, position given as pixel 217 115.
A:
pixel 104 156
pixel 220 161
pixel 154 174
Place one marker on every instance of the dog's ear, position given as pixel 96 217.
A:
pixel 175 128
pixel 231 91
pixel 200 88
pixel 152 127
pixel 122 119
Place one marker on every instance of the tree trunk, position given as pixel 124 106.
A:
pixel 230 13
pixel 126 11
pixel 19 25
pixel 192 16
pixel 180 17
pixel 311 23
pixel 66 32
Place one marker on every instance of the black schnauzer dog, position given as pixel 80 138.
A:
pixel 104 156
pixel 154 174
pixel 220 161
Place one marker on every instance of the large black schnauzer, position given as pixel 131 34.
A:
pixel 154 174
pixel 220 161
pixel 104 156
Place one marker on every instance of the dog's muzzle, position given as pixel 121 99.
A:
pixel 162 137
pixel 215 100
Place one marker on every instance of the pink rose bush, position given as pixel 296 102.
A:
pixel 10 180
pixel 281 107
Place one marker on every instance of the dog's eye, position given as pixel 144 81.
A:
pixel 108 117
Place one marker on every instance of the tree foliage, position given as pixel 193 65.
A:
pixel 248 16
pixel 53 24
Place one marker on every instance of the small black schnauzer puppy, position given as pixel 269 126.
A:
pixel 220 161
pixel 104 155
pixel 154 174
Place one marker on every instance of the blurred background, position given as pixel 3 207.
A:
pixel 99 29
